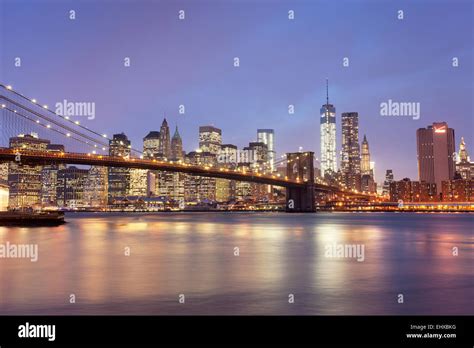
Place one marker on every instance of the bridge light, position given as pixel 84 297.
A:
pixel 68 134
pixel 45 106
pixel 37 121
pixel 103 149
pixel 76 122
pixel 104 135
pixel 33 100
pixel 66 117
pixel 95 145
pixel 4 106
pixel 93 152
pixel 48 126
pixel 9 87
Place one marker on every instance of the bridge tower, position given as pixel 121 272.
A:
pixel 300 167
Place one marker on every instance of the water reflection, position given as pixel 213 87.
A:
pixel 279 254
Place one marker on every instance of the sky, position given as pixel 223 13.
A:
pixel 190 62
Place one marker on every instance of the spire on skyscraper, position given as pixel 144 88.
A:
pixel 327 91
pixel 176 133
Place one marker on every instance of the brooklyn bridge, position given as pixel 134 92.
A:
pixel 22 114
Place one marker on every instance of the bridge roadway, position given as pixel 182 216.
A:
pixel 41 157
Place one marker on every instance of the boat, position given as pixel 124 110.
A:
pixel 35 218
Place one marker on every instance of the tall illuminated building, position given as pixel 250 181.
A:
pixel 24 180
pixel 267 136
pixel 165 141
pixel 365 157
pixel 49 177
pixel 199 188
pixel 435 149
pixel 328 137
pixel 210 139
pixel 151 144
pixel 96 187
pixel 119 178
pixel 176 146
pixel 70 187
pixel 350 161
pixel 388 180
pixel 368 184
pixel 4 193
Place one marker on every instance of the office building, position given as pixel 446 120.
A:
pixel 350 161
pixel 210 139
pixel 435 145
pixel 25 181
pixel 267 137
pixel 328 138
pixel 119 178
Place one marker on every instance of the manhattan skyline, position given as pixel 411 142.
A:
pixel 190 62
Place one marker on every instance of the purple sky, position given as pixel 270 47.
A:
pixel 282 61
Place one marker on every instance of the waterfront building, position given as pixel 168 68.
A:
pixel 458 190
pixel 138 182
pixel 70 187
pixel 435 148
pixel 412 191
pixel 4 193
pixel 49 177
pixel 119 178
pixel 350 161
pixel 96 187
pixel 24 181
pixel 328 137
pixel 4 172
pixel 210 139
pixel 267 137
pixel 197 188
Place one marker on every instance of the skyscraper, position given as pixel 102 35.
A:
pixel 70 187
pixel 165 143
pixel 366 167
pixel 350 161
pixel 176 146
pixel 388 180
pixel 49 177
pixel 151 145
pixel 95 187
pixel 435 145
pixel 267 136
pixel 328 137
pixel 210 139
pixel 365 157
pixel 119 178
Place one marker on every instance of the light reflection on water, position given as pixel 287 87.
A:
pixel 193 254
